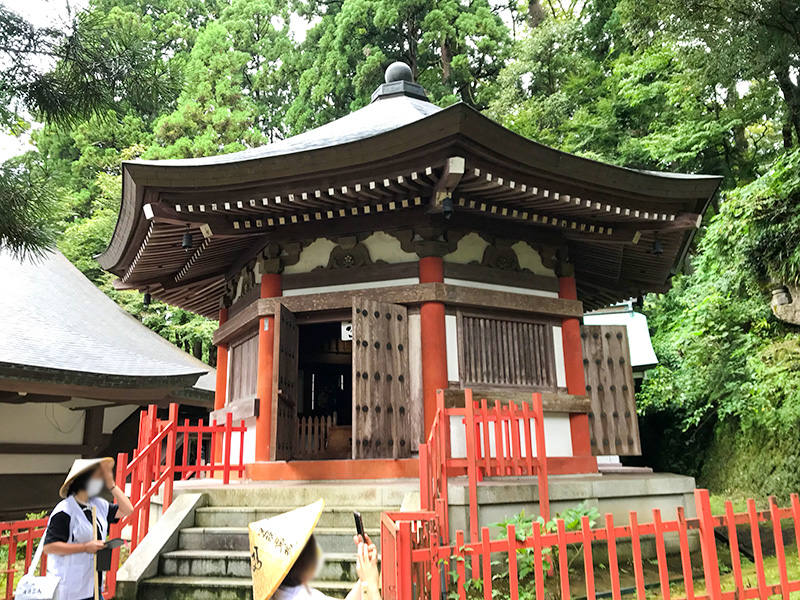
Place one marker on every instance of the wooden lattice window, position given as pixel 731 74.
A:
pixel 506 351
pixel 243 369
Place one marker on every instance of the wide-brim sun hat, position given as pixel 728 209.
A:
pixel 275 544
pixel 79 467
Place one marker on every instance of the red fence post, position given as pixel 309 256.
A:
pixel 172 439
pixel 780 552
pixel 472 470
pixel 541 457
pixel 424 478
pixel 227 439
pixel 708 545
pixel 404 564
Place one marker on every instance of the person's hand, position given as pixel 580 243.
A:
pixel 93 547
pixel 108 474
pixel 367 561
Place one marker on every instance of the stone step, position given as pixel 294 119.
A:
pixel 242 516
pixel 236 563
pixel 219 588
pixel 295 493
pixel 331 539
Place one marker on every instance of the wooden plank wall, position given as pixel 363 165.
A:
pixel 614 426
pixel 243 370
pixel 285 384
pixel 497 351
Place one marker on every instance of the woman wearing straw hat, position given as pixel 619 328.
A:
pixel 284 558
pixel 71 539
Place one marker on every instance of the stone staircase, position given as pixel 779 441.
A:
pixel 212 560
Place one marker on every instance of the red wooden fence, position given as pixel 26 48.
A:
pixel 414 559
pixel 499 442
pixel 155 466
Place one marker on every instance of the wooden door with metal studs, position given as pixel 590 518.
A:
pixel 381 425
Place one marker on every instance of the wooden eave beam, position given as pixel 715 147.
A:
pixel 452 173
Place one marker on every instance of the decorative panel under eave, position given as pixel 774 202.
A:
pixel 613 424
pixel 381 419
pixel 243 371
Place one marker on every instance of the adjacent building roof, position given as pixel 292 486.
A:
pixel 62 336
pixel 378 168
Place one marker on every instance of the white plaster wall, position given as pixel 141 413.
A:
pixel 557 436
pixel 249 443
pixel 352 287
pixel 470 249
pixel 386 248
pixel 500 288
pixel 113 416
pixel 29 464
pixel 451 338
pixel 315 255
pixel 530 259
pixel 558 349
pixel 42 422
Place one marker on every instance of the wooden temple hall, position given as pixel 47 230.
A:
pixel 359 267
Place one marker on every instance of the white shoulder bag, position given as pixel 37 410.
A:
pixel 33 587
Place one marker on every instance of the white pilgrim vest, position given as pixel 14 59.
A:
pixel 77 570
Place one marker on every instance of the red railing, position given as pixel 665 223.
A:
pixel 12 535
pixel 499 441
pixel 421 566
pixel 156 464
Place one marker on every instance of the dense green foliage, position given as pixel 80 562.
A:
pixel 682 85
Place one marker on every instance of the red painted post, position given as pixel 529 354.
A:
pixel 12 557
pixel 472 471
pixel 538 570
pixel 686 559
pixel 486 557
pixel 461 565
pixel 758 555
pixel 541 458
pixel 499 442
pixel 513 573
pixel 271 287
pixel 661 555
pixel 795 501
pixel 708 545
pixel 563 563
pixel 404 587
pixel 433 340
pixel 199 457
pixel 185 461
pixel 221 388
pixel 226 467
pixel 424 478
pixel 526 417
pixel 613 560
pixel 780 552
pixel 444 456
pixel 588 564
pixel 733 541
pixel 242 431
pixel 514 425
pixel 573 369
pixel 487 446
pixel 172 440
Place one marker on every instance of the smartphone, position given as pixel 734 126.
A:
pixel 359 525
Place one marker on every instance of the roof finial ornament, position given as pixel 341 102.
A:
pixel 398 71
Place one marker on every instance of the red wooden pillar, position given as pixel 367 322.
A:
pixel 573 370
pixel 433 341
pixel 221 387
pixel 270 288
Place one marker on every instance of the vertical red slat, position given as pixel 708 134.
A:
pixel 424 478
pixel 444 453
pixel 242 430
pixel 563 563
pixel 486 556
pixel 537 561
pixel 780 552
pixel 661 555
pixel 516 452
pixel 686 559
pixel 708 545
pixel 636 546
pixel 613 560
pixel 755 536
pixel 487 448
pixel 472 471
pixel 541 457
pixel 404 588
pixel 499 442
pixel 214 442
pixel 461 565
pixel 172 441
pixel 185 461
pixel 526 416
pixel 435 573
pixel 226 459
pixel 588 565
pixel 795 501
pixel 513 574
pixel 12 557
pixel 199 457
pixel 733 542
pixel 136 491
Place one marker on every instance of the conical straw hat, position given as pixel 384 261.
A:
pixel 80 466
pixel 275 544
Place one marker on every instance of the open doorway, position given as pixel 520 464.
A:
pixel 325 394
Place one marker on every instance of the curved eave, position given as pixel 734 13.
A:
pixel 99 386
pixel 457 128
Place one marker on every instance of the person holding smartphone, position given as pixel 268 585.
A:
pixel 70 539
pixel 285 558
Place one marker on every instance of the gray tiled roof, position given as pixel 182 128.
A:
pixel 53 318
pixel 380 116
